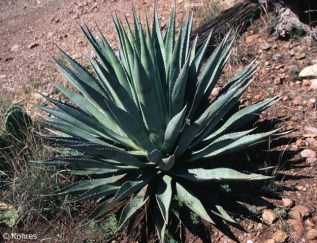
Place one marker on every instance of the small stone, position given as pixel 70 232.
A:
pixel 277 57
pixel 299 212
pixel 265 46
pixel 278 67
pixel 50 35
pixel 277 81
pixel 312 100
pixel 3 76
pixel 312 234
pixel 297 228
pixel 292 53
pixel 270 241
pixel 311 103
pixel 294 118
pixel 32 45
pixel 313 84
pixel 215 91
pixel 15 48
pixel 309 71
pixel 279 236
pixel 250 227
pixel 251 38
pixel 259 226
pixel 37 97
pixel 312 141
pixel 311 129
pixel 4 206
pixel 287 202
pixel 299 142
pixel 268 216
pixel 309 223
pixel 298 100
pixel 285 98
pixel 311 160
pixel 308 153
pixel 249 241
pixel 300 56
pixel 293 147
pixel 55 19
pixel 300 188
pixel 306 82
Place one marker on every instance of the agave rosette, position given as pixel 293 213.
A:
pixel 144 128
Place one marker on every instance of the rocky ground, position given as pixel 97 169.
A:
pixel 31 29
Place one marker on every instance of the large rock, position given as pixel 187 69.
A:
pixel 299 212
pixel 309 71
pixel 297 228
pixel 308 153
pixel 313 83
pixel 279 236
pixel 312 234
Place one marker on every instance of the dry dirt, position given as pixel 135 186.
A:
pixel 31 29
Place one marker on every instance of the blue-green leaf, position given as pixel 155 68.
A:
pixel 193 203
pixel 227 146
pixel 164 196
pixel 130 187
pixel 86 185
pixel 172 131
pixel 219 174
pixel 130 208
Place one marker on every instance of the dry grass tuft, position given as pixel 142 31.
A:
pixel 203 10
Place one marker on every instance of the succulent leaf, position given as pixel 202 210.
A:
pixel 164 196
pixel 223 174
pixel 130 208
pixel 192 202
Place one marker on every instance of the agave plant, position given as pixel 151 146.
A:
pixel 144 129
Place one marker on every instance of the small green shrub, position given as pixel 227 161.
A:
pixel 24 183
pixel 102 230
pixel 5 103
pixel 17 122
pixel 16 125
pixel 280 212
pixel 146 132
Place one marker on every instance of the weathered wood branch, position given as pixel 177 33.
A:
pixel 238 17
pixel 292 14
